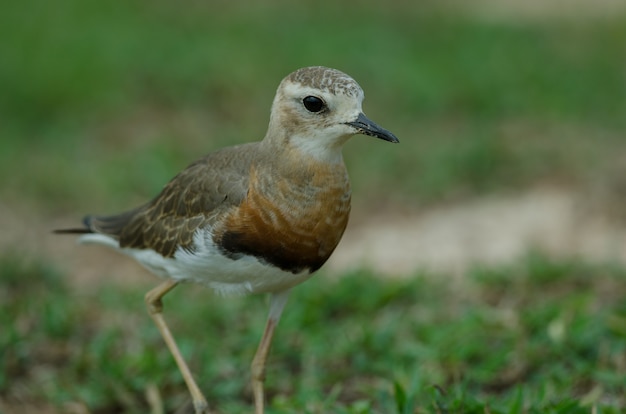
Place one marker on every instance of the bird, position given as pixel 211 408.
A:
pixel 259 217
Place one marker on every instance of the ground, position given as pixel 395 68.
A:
pixel 509 181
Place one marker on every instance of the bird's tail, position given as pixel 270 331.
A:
pixel 72 231
pixel 77 230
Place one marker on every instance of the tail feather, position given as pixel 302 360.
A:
pixel 109 225
pixel 72 231
pixel 77 230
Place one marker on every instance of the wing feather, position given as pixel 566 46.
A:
pixel 191 200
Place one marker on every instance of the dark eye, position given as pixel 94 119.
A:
pixel 313 103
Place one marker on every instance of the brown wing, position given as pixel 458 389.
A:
pixel 192 199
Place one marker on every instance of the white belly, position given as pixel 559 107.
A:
pixel 207 266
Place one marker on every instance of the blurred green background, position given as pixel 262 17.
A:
pixel 101 103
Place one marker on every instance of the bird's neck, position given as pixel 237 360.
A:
pixel 303 146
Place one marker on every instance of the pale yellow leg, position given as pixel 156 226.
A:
pixel 258 366
pixel 155 309
pixel 277 303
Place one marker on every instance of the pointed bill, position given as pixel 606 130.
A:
pixel 366 126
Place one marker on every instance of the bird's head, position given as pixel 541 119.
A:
pixel 317 109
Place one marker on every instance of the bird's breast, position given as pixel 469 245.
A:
pixel 293 223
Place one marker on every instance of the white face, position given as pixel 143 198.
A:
pixel 316 120
pixel 316 110
pixel 322 111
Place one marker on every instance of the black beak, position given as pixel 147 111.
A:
pixel 366 127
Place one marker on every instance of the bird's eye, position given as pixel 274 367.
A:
pixel 313 104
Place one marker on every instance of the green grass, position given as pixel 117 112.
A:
pixel 102 102
pixel 106 101
pixel 539 336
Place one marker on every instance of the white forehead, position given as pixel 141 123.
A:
pixel 321 80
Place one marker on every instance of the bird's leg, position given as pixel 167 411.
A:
pixel 155 309
pixel 277 303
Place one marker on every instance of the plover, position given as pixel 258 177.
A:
pixel 260 217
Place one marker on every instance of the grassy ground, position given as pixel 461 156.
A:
pixel 540 336
pixel 102 102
